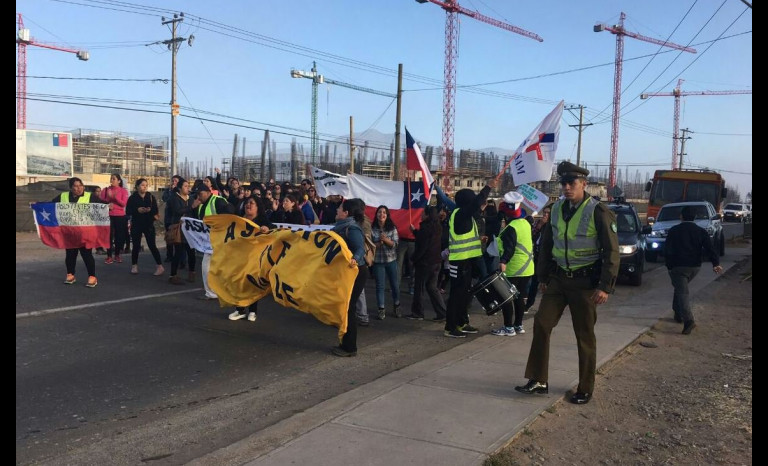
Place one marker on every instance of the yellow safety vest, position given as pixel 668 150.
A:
pixel 575 241
pixel 210 208
pixel 463 246
pixel 84 199
pixel 521 263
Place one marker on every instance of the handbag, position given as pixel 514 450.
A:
pixel 173 234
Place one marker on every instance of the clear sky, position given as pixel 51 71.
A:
pixel 237 72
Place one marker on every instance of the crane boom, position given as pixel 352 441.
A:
pixel 676 93
pixel 452 10
pixel 620 32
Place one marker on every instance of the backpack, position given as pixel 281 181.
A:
pixel 370 248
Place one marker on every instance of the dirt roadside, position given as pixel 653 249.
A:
pixel 666 399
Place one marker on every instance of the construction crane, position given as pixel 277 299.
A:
pixel 676 93
pixel 620 32
pixel 23 40
pixel 320 79
pixel 452 10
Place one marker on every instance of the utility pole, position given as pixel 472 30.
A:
pixel 397 119
pixel 351 145
pixel 580 129
pixel 173 45
pixel 682 145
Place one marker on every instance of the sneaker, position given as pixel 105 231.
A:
pixel 252 316
pixel 70 279
pixel 414 317
pixel 237 315
pixel 504 332
pixel 456 333
pixel 466 328
pixel 108 260
pixel 337 351
pixel 519 329
pixel 381 314
pixel 363 323
pixel 688 327
pixel 92 282
pixel 119 259
pixel 159 271
pixel 134 269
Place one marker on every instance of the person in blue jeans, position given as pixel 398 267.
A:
pixel 384 235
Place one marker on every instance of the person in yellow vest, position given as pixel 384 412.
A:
pixel 516 261
pixel 75 194
pixel 206 204
pixel 577 268
pixel 464 249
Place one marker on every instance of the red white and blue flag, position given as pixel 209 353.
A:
pixel 72 225
pixel 415 161
pixel 405 205
pixel 534 158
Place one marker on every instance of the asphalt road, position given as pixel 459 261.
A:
pixel 138 370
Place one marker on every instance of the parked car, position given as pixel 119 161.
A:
pixel 669 216
pixel 735 212
pixel 632 243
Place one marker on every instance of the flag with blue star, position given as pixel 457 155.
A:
pixel 72 225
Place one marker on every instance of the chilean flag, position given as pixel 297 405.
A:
pixel 404 208
pixel 414 161
pixel 72 225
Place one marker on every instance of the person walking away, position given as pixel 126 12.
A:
pixel 117 197
pixel 349 222
pixel 253 212
pixel 384 236
pixel 533 286
pixel 77 194
pixel 464 247
pixel 204 205
pixel 686 244
pixel 426 263
pixel 515 261
pixel 577 268
pixel 142 207
pixel 181 206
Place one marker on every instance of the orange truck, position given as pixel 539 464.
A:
pixel 684 185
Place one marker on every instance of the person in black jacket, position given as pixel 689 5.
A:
pixel 685 245
pixel 427 261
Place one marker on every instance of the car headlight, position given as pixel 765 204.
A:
pixel 627 249
pixel 659 233
pixel 710 230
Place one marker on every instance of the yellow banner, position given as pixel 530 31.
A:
pixel 305 270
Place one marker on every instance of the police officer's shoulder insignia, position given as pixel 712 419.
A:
pixel 613 227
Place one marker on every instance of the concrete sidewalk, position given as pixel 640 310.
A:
pixel 455 408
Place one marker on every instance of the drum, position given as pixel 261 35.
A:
pixel 493 292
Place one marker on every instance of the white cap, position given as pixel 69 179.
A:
pixel 514 198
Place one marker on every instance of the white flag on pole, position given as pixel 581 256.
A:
pixel 329 183
pixel 534 158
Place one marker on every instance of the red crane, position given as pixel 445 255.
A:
pixel 452 9
pixel 23 40
pixel 620 32
pixel 676 93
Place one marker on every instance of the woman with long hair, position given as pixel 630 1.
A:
pixel 384 235
pixel 117 197
pixel 211 183
pixel 349 225
pixel 142 207
pixel 290 211
pixel 180 205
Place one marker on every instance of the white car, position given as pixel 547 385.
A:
pixel 736 212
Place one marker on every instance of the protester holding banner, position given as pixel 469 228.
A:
pixel 117 197
pixel 384 236
pixel 180 205
pixel 204 205
pixel 464 248
pixel 77 194
pixel 142 207
pixel 349 223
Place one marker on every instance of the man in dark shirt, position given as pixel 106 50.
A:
pixel 685 245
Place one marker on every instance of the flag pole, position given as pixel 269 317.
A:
pixel 506 165
pixel 408 179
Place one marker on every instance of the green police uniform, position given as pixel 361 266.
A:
pixel 579 253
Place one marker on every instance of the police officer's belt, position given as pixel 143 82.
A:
pixel 578 273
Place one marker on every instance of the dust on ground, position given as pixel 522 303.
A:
pixel 666 399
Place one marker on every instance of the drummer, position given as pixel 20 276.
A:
pixel 516 261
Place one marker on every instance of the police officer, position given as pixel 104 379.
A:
pixel 578 265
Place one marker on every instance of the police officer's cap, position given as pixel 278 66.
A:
pixel 569 172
